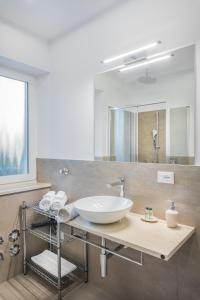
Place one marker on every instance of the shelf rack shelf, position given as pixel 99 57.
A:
pixel 35 206
pixel 55 235
pixel 43 234
pixel 47 276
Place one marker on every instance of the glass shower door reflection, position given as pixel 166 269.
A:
pixel 138 133
pixel 122 141
pixel 152 133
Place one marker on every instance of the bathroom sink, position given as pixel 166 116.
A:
pixel 103 209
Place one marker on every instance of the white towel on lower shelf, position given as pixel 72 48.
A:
pixel 47 260
pixel 67 213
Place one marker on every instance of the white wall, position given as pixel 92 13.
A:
pixel 177 89
pixel 109 91
pixel 24 53
pixel 76 59
pixel 23 48
pixel 197 108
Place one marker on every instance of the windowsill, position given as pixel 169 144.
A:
pixel 14 188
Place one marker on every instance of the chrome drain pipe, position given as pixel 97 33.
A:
pixel 104 256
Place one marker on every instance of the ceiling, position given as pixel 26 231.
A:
pixel 183 60
pixel 50 19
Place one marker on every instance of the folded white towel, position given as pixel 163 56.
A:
pixel 47 200
pixel 49 261
pixel 67 213
pixel 59 201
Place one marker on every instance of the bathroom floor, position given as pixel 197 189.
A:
pixel 30 287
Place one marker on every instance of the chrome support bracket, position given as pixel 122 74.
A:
pixel 105 251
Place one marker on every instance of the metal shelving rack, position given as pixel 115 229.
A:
pixel 53 240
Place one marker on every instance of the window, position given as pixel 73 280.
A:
pixel 17 131
pixel 13 127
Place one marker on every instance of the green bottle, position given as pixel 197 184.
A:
pixel 150 213
pixel 147 213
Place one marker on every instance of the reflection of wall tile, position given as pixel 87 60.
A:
pixel 147 121
pixel 182 160
pixel 105 158
pixel 178 279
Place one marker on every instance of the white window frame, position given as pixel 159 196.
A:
pixel 31 117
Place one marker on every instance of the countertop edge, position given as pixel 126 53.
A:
pixel 166 256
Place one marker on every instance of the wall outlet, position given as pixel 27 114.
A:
pixel 165 177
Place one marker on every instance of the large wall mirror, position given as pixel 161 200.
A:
pixel 144 109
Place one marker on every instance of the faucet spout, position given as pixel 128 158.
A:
pixel 121 183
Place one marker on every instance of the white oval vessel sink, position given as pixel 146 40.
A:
pixel 103 209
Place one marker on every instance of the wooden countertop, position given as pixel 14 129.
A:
pixel 155 239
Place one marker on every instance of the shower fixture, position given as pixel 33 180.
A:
pixel 155 140
pixel 154 137
pixel 147 78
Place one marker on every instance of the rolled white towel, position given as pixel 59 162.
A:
pixel 67 213
pixel 50 194
pixel 61 194
pixel 59 201
pixel 45 204
pixel 47 200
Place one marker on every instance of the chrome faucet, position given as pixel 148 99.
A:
pixel 120 182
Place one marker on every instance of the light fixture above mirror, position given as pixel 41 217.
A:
pixel 130 53
pixel 145 62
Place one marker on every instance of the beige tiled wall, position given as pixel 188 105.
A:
pixel 10 219
pixel 178 279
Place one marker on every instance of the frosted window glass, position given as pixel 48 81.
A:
pixel 13 127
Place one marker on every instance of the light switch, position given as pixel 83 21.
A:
pixel 165 177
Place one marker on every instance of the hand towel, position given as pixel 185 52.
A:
pixel 59 201
pixel 47 200
pixel 67 213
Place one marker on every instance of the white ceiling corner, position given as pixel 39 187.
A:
pixel 50 19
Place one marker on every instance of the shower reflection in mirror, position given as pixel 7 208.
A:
pixel 132 125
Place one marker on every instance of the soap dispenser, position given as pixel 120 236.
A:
pixel 171 215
